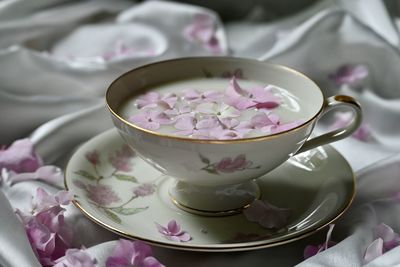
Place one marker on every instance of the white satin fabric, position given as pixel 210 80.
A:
pixel 54 79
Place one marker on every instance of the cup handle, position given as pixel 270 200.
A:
pixel 335 135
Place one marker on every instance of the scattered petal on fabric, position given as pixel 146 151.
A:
pixel 267 215
pixel 20 157
pixel 75 258
pixel 202 29
pixel 311 250
pixel 363 133
pixel 132 253
pixel 49 174
pixel 102 195
pixel 349 74
pixel 44 201
pixel 173 232
pixel 47 232
pixel 374 250
pixel 386 239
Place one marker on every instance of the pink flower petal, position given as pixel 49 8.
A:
pixel 74 258
pixel 374 250
pixel 385 232
pixel 184 237
pixel 363 133
pixel 173 232
pixel 349 74
pixel 310 251
pixel 185 123
pixel 20 157
pixel 207 123
pixel 267 105
pixel 149 100
pixel 49 174
pixel 132 253
pixel 173 228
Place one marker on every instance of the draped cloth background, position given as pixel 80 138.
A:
pixel 52 79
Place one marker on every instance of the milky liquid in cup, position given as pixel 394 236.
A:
pixel 215 113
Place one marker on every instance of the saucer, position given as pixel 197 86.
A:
pixel 115 188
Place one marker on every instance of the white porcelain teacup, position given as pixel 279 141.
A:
pixel 217 177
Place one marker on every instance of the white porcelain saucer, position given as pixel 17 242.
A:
pixel 118 190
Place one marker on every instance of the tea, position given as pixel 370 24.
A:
pixel 214 108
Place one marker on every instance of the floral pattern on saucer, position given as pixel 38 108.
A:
pixel 121 192
pixel 104 196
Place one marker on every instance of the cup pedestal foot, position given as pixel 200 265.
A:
pixel 214 200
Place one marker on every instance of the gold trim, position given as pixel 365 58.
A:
pixel 221 247
pixel 208 141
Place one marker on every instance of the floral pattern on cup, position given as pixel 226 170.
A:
pixel 103 196
pixel 227 164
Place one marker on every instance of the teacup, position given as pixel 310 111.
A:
pixel 217 177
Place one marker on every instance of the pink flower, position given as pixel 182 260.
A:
pixel 132 254
pixel 93 157
pixel 150 119
pixel 120 159
pixel 144 190
pixel 48 174
pixel 173 232
pixel 201 97
pixel 53 219
pixel 75 258
pixel 261 121
pixel 180 110
pixel 258 97
pixel 148 100
pixel 386 239
pixel 20 157
pixel 349 74
pixel 227 165
pixel 310 250
pixel 231 129
pixel 269 123
pixel 202 29
pixel 102 195
pixel 47 232
pixel 190 126
pixel 41 240
pixel 267 215
pixel 219 110
pixel 44 201
pixel 153 99
pixel 363 133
